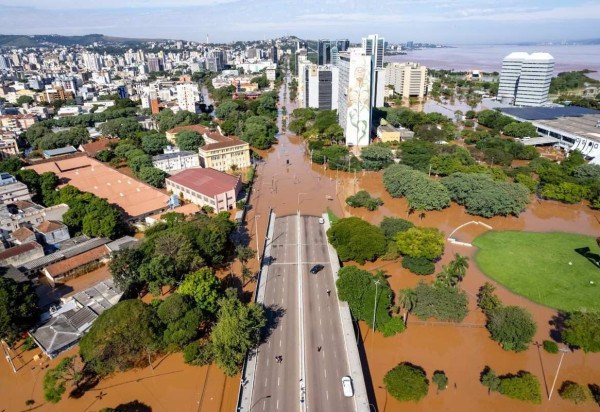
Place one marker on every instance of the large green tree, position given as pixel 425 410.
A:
pixel 582 329
pixel 18 308
pixel 440 302
pixel 189 140
pixel 424 242
pixel 376 157
pixel 120 338
pixel 202 287
pixel 422 192
pixel 236 331
pixel 55 380
pixel 512 327
pixel 406 382
pixel 355 239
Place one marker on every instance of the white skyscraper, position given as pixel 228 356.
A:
pixel 354 96
pixel 319 86
pixel 187 96
pixel 373 45
pixel 525 78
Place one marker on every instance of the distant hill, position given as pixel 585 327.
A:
pixel 15 40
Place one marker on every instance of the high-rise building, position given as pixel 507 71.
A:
pixel 339 46
pixel 373 45
pixel 91 61
pixel 301 56
pixel 324 52
pixel 319 86
pixel 274 54
pixel 525 78
pixel 154 64
pixel 187 96
pixel 354 96
pixel 408 79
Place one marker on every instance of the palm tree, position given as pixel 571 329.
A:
pixel 407 298
pixel 458 267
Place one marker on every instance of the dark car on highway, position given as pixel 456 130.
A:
pixel 316 269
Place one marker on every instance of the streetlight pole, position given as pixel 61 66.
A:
pixel 256 237
pixel 375 304
pixel 563 350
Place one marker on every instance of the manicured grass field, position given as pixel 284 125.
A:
pixel 536 266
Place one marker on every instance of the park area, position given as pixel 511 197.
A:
pixel 554 269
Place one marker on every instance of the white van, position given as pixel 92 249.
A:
pixel 347 386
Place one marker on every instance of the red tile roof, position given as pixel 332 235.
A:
pixel 94 147
pixel 48 226
pixel 21 233
pixel 203 130
pixel 17 250
pixel 207 181
pixel 59 268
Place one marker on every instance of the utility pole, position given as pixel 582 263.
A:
pixel 375 304
pixel 563 350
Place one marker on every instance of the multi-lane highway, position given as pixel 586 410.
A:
pixel 325 353
pixel 305 325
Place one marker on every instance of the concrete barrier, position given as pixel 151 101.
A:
pixel 247 379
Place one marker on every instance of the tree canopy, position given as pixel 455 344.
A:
pixel 422 192
pixel 582 330
pixel 236 331
pixel 189 140
pixel 203 287
pixel 440 302
pixel 355 239
pixel 421 242
pixel 512 326
pixel 18 308
pixel 406 382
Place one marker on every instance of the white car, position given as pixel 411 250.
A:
pixel 321 221
pixel 347 386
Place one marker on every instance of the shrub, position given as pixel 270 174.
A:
pixel 574 392
pixel 550 346
pixel 393 326
pixel 406 382
pixel 418 265
pixel 363 199
pixel 523 386
pixel 440 379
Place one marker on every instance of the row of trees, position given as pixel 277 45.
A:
pixel 522 385
pixel 317 125
pixel 363 199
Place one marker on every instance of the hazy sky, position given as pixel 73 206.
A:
pixel 439 21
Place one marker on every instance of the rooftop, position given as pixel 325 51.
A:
pixel 173 155
pixel 48 226
pixel 21 233
pixel 64 266
pixel 88 174
pixel 59 151
pixel 207 181
pixel 547 113
pixel 17 250
pixel 94 147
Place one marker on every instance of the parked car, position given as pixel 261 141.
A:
pixel 316 269
pixel 321 221
pixel 347 386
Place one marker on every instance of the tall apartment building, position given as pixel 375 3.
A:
pixel 328 50
pixel 525 78
pixel 354 96
pixel 409 79
pixel 91 61
pixel 373 45
pixel 187 96
pixel 318 86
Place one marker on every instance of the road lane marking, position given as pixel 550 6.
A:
pixel 277 407
pixel 327 394
pixel 320 322
pixel 266 380
pixel 280 343
pixel 278 381
pixel 325 370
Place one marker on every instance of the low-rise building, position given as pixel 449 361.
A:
pixel 62 151
pixel 64 325
pixel 219 152
pixel 12 190
pixel 8 145
pixel 206 187
pixel 22 235
pixel 17 121
pixel 26 213
pixel 173 162
pixel 389 133
pixel 76 265
pixel 51 232
pixel 21 254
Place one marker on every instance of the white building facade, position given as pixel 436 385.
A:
pixel 525 78
pixel 187 96
pixel 409 79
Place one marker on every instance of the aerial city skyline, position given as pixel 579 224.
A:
pixel 316 206
pixel 450 22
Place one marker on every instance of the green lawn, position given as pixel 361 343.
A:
pixel 536 266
